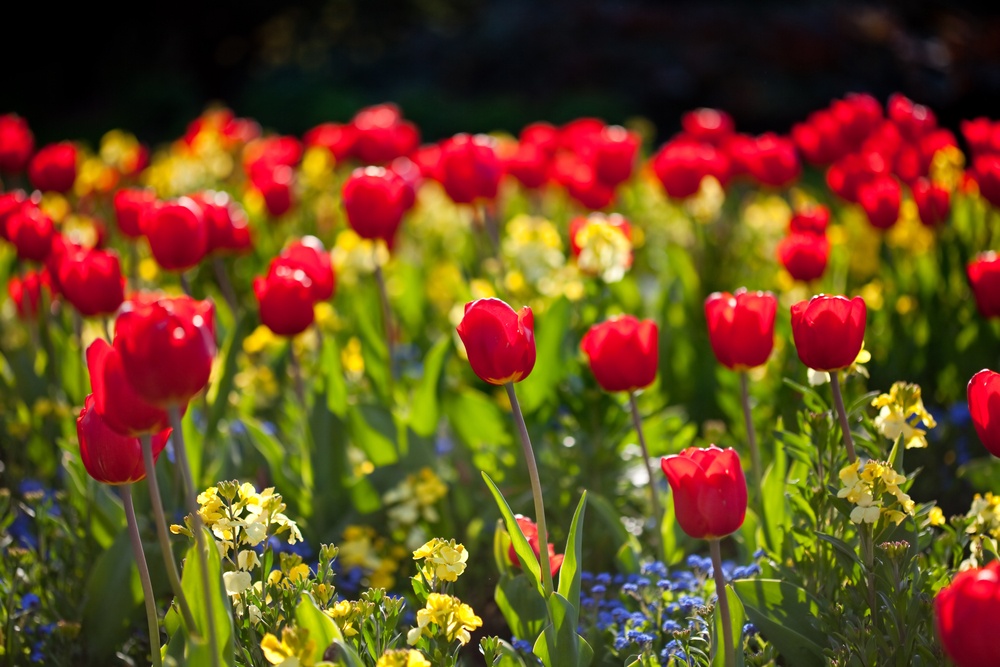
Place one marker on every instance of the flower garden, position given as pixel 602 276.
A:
pixel 578 396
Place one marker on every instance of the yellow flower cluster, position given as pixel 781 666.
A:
pixel 985 515
pixel 875 490
pixel 240 516
pixel 354 256
pixel 413 499
pixel 534 250
pixel 361 547
pixel 445 615
pixel 605 250
pixel 345 615
pixel 896 408
pixel 294 649
pixel 403 658
pixel 443 561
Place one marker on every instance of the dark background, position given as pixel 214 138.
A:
pixel 482 65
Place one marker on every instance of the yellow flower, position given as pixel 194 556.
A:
pixel 605 250
pixel 896 410
pixel 295 649
pixel 450 616
pixel 442 560
pixel 403 658
pixel 874 489
pixel 343 614
pixel 936 517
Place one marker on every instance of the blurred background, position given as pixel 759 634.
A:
pixel 485 65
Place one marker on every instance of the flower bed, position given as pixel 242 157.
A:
pixel 405 402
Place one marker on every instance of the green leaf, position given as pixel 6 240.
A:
pixel 218 395
pixel 569 573
pixel 522 606
pixel 336 387
pixel 524 552
pixel 274 452
pixel 776 519
pixel 841 546
pixel 737 618
pixel 786 616
pixel 374 430
pixel 425 411
pixel 626 545
pixel 321 627
pixel 221 612
pixel 111 596
pixel 550 364
pixel 559 645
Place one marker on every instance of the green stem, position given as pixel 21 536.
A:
pixel 225 286
pixel 147 584
pixel 383 295
pixel 161 531
pixel 723 601
pixel 198 526
pixel 296 369
pixel 867 537
pixel 653 496
pixel 536 490
pixel 845 425
pixel 751 435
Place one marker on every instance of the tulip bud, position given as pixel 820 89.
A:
pixel 804 255
pixel 964 612
pixel 681 165
pixel 226 222
pixel 499 342
pixel 469 168
pixel 984 277
pixel 375 200
pixel 880 198
pixel 774 161
pixel 91 280
pixel 829 331
pixel 709 490
pixel 913 120
pixel 26 292
pixel 53 168
pixel 623 353
pixel 108 456
pixel 382 135
pixel 308 255
pixel 813 220
pixel 119 405
pixel 708 125
pixel 31 231
pixel 933 202
pixel 130 205
pixel 741 327
pixel 986 172
pixel 16 143
pixel 984 408
pixel 285 298
pixel 177 233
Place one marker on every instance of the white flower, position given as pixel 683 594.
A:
pixel 236 582
pixel 255 533
pixel 247 559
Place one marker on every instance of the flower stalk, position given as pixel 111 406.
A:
pixel 845 425
pixel 723 601
pixel 147 584
pixel 653 495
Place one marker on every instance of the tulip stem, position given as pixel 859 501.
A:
pixel 845 425
pixel 147 584
pixel 186 284
pixel 653 496
pixel 751 435
pixel 383 295
pixel 723 601
pixel 225 286
pixel 536 490
pixel 296 368
pixel 149 465
pixel 198 526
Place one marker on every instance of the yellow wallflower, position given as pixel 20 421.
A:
pixel 294 649
pixel 403 658
pixel 445 615
pixel 874 489
pixel 896 410
pixel 344 614
pixel 605 249
pixel 442 560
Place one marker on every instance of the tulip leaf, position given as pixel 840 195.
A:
pixel 843 547
pixel 321 627
pixel 374 430
pixel 786 616
pixel 277 458
pixel 221 611
pixel 737 618
pixel 775 517
pixel 111 596
pixel 569 572
pixel 218 394
pixel 425 410
pixel 521 547
pixel 336 387
pixel 522 606
pixel 626 545
pixel 559 645
pixel 550 356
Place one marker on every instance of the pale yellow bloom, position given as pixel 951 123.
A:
pixel 453 619
pixel 294 649
pixel 403 658
pixel 902 403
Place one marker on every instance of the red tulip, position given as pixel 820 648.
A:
pixel 964 615
pixel 53 168
pixel 681 164
pixel 119 405
pixel 177 233
pixel 530 530
pixel 982 135
pixel 829 331
pixel 381 134
pixel 308 255
pixel 741 327
pixel 813 220
pixel 26 292
pixel 820 138
pixel 623 353
pixel 986 172
pixel 130 205
pixel 16 143
pixel 375 200
pixel 984 408
pixel 286 302
pixel 31 231
pixel 270 152
pixel 858 115
pixel 226 221
pixel 469 168
pixel 612 154
pixel 804 255
pixel 274 182
pixel 933 202
pixel 913 120
pixel 10 203
pixel 574 135
pixel 334 137
pixel 984 277
pixel 774 161
pixel 109 457
pixel 846 176
pixel 581 182
pixel 166 346
pixel 91 280
pixel 709 490
pixel 711 126
pixel 880 198
pixel 500 342
pixel 528 163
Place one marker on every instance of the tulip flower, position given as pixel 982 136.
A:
pixel 530 530
pixel 166 346
pixel 286 300
pixel 336 138
pixel 708 125
pixel 741 327
pixel 108 456
pixel 829 332
pixel 469 168
pixel 858 114
pixel 774 161
pixel 612 153
pixel 130 204
pixel 274 183
pixel 121 408
pixel 710 502
pixel 375 200
pixel 581 182
pixel 880 199
pixel 308 255
pixel 933 202
pixel 964 615
pixel 681 164
pixel 53 168
pixel 381 134
pixel 26 292
pixel 10 203
pixel 984 277
pixel 500 342
pixel 177 233
pixel 804 255
pixel 812 220
pixel 986 172
pixel 91 280
pixel 225 220
pixel 913 120
pixel 984 408
pixel 16 143
pixel 31 231
pixel 623 353
pixel 528 163
pixel 982 135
